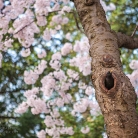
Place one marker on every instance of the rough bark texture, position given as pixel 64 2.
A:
pixel 117 104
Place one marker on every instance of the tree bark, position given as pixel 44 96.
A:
pixel 127 41
pixel 118 104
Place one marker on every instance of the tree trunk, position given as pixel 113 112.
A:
pixel 118 104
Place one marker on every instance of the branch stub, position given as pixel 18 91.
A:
pixel 108 61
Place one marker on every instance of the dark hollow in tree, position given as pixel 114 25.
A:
pixel 109 80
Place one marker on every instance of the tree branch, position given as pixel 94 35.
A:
pixel 76 21
pixel 118 104
pixel 8 117
pixel 127 41
pixel 134 31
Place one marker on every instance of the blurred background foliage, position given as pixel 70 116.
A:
pixel 124 19
pixel 12 86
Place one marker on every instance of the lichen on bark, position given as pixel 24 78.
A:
pixel 118 105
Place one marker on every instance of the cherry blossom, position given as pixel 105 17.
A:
pixel 55 64
pixel 29 93
pixel 41 134
pixel 30 77
pixel 134 64
pixel 85 130
pixel 56 7
pixel 89 90
pixel 60 75
pixel 110 7
pixel 77 47
pixel 47 34
pixel 1 4
pixel 29 17
pixel 81 106
pixel 134 75
pixel 66 9
pixel 1 60
pixel 41 20
pixel 41 7
pixel 42 54
pixel 56 56
pixel 66 49
pixel 22 108
pixel 26 52
pixel 73 74
pixel 68 36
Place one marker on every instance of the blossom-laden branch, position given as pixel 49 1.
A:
pixel 57 83
pixel 127 41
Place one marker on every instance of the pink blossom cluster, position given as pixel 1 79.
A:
pixel 134 75
pixel 82 60
pixel 85 130
pixel 60 81
pixel 84 104
pixel 66 49
pixel 27 17
pixel 24 26
pixel 37 104
pixel 1 57
pixel 110 7
pixel 30 77
pixel 42 54
pixel 6 44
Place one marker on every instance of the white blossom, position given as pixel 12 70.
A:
pixel 79 107
pixel 73 74
pixel 60 75
pixel 1 57
pixel 110 7
pixel 41 134
pixel 77 47
pixel 66 49
pixel 1 4
pixel 31 92
pixel 66 9
pixel 22 108
pixel 85 130
pixel 26 52
pixel 41 7
pixel 56 7
pixel 49 122
pixel 57 19
pixel 42 54
pixel 30 77
pixel 56 56
pixel 41 20
pixel 47 34
pixel 68 36
pixel 89 90
pixel 82 85
pixel 134 64
pixel 55 64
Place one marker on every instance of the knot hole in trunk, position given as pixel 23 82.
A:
pixel 109 83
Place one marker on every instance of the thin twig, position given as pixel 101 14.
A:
pixel 76 21
pixel 24 27
pixel 134 31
